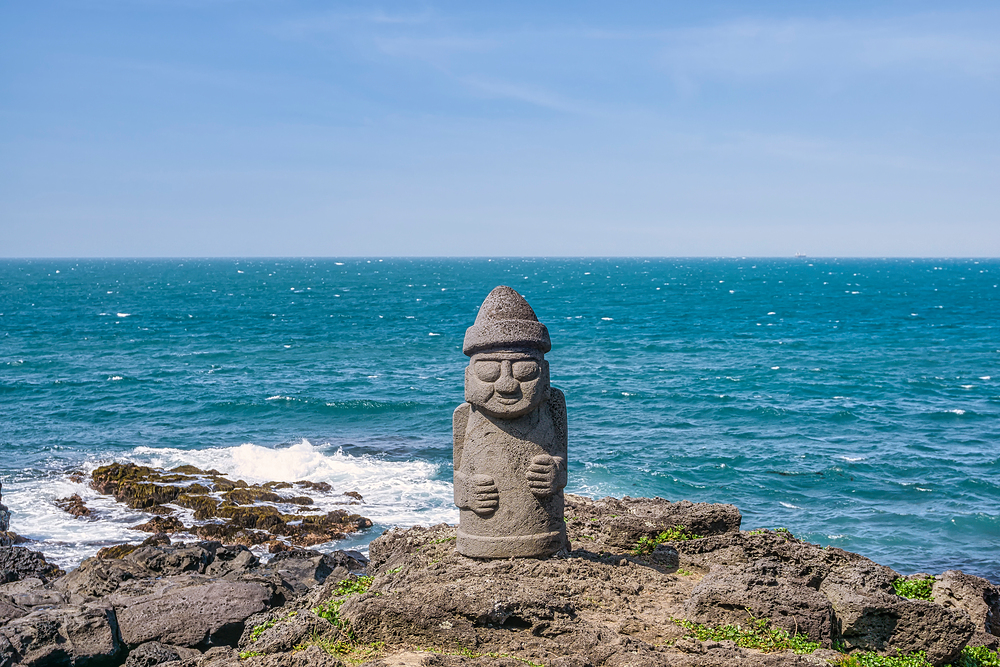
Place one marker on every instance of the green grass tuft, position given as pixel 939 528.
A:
pixel 646 545
pixel 971 656
pixel 759 634
pixel 915 589
pixel 330 610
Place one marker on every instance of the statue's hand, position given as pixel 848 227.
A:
pixel 543 475
pixel 483 495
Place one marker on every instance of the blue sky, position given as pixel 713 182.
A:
pixel 229 128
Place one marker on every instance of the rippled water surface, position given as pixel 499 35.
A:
pixel 855 402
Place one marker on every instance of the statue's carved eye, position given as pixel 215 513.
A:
pixel 487 371
pixel 525 370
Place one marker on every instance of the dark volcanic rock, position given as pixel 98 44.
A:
pixel 240 513
pixel 829 594
pixel 18 563
pixel 61 636
pixel 189 610
pixel 74 505
pixel 978 597
pixel 622 523
pixel 304 569
pixel 4 514
pixel 151 654
pixel 161 524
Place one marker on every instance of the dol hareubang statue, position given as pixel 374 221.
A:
pixel 509 436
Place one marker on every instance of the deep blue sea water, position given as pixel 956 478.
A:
pixel 855 402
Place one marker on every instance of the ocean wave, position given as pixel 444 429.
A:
pixel 396 493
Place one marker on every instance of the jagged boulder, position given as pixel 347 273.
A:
pixel 623 522
pixel 18 563
pixel 187 610
pixel 829 594
pixel 151 654
pixel 61 636
pixel 4 514
pixel 304 569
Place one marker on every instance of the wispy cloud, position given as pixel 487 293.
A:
pixel 754 49
pixel 529 94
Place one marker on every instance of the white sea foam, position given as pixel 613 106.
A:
pixel 115 378
pixel 789 505
pixel 122 314
pixel 852 459
pixel 404 493
pixel 396 493
pixel 984 377
pixel 957 411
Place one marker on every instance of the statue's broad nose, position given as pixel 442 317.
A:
pixel 506 384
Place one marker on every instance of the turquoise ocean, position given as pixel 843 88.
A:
pixel 854 402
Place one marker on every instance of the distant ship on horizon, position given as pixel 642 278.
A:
pixel 800 254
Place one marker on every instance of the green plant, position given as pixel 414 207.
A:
pixel 249 654
pixel 870 659
pixel 759 634
pixel 646 545
pixel 469 653
pixel 684 573
pixel 330 610
pixel 978 656
pixel 349 651
pixel 442 540
pixel 756 531
pixel 395 570
pixel 971 656
pixel 259 629
pixel 915 589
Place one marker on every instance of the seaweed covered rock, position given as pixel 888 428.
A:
pixel 233 512
pixel 73 505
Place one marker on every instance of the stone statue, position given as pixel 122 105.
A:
pixel 509 437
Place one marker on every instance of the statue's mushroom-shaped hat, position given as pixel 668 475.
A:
pixel 506 320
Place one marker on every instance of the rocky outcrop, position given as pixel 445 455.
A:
pixel 18 563
pixel 623 522
pixel 61 635
pixel 606 602
pixel 978 598
pixel 157 603
pixel 224 510
pixel 73 505
pixel 4 514
pixel 829 594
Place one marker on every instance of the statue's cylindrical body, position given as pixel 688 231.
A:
pixel 510 437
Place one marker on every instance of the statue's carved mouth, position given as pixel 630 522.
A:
pixel 508 400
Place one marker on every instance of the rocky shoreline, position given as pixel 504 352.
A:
pixel 646 582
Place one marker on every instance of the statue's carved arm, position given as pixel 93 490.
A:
pixel 472 492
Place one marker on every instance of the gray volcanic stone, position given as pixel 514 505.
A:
pixel 510 437
pixel 61 636
pixel 978 597
pixel 623 522
pixel 188 610
pixel 829 594
pixel 151 654
pixel 4 514
pixel 302 570
pixel 18 563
